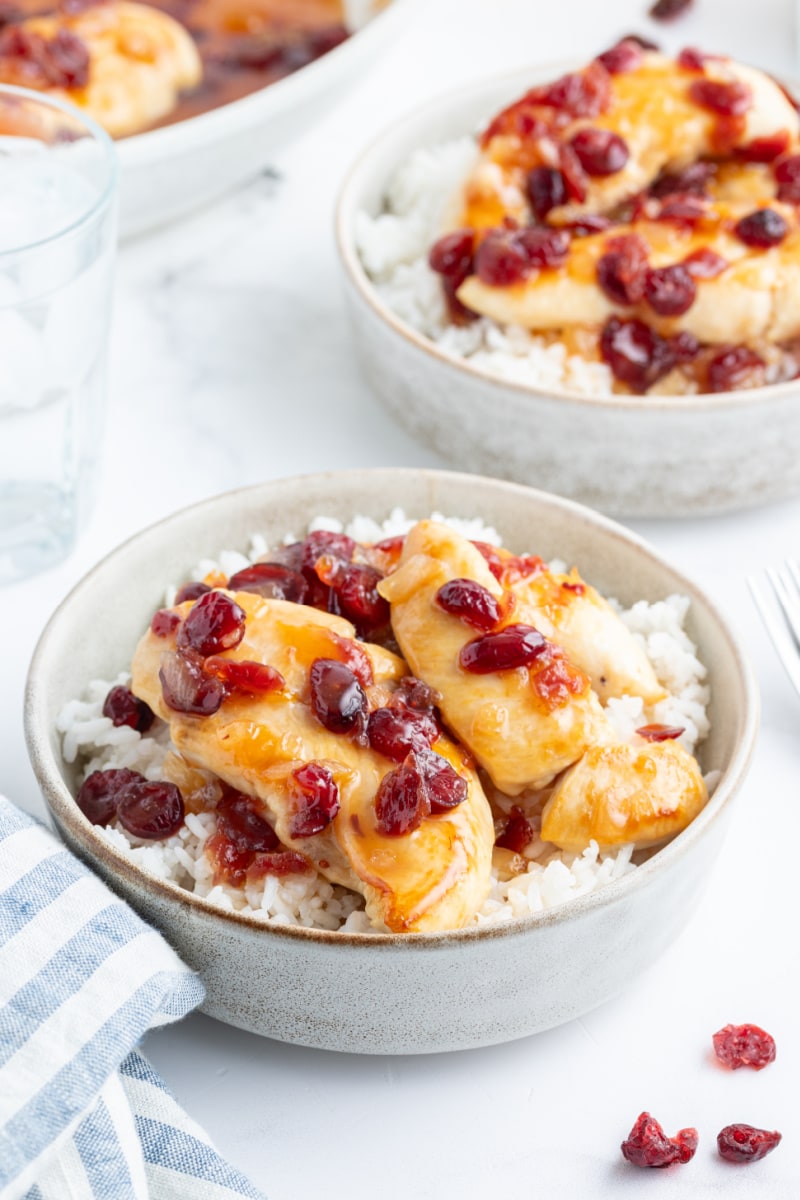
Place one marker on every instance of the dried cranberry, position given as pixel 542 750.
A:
pixel 670 291
pixel 413 693
pixel 337 698
pixel 394 731
pixel 279 862
pixel 470 601
pixel 660 733
pixel 401 802
pixel 582 94
pixel 599 151
pixel 452 255
pixel 705 264
pixel 324 544
pixel 684 346
pixel 512 647
pixel 648 1146
pixel 185 686
pixel 787 176
pixel 763 228
pixel 213 624
pixel 243 675
pixel 123 708
pixel 555 680
pixel 97 798
pixel 457 312
pixel 271 580
pixel 149 809
pixel 765 149
pixel 191 591
pixel 357 587
pixel 501 259
pixel 694 179
pixel 588 224
pixel 636 354
pixel 692 59
pixel 242 825
pixel 575 178
pixel 318 802
pixel 624 57
pixel 744 1046
pixel 745 1143
pixel 622 271
pixel 731 99
pixel 667 10
pixel 732 368
pixel 684 209
pixel 444 787
pixel 62 60
pixel 164 623
pixel 545 247
pixel 546 190
pixel 290 556
pixel 517 834
pixel 492 558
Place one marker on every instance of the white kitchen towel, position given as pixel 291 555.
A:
pixel 82 979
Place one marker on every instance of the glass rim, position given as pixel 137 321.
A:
pixel 100 136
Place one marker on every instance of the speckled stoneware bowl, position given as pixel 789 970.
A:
pixel 394 994
pixel 627 455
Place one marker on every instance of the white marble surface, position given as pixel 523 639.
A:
pixel 231 364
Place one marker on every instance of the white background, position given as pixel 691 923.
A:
pixel 232 364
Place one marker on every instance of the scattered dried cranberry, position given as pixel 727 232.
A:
pixel 337 698
pixel 705 264
pixel 452 256
pixel 648 1146
pixel 546 190
pixel 692 59
pixel 660 733
pixel 684 209
pixel 242 825
pixel 444 786
pixel 670 291
pixel 731 99
pixel 164 623
pixel 191 591
pixel 512 647
pixel 395 731
pixel 545 247
pixel 354 655
pixel 278 862
pixel 97 798
pixel 765 149
pixel 357 588
pixel 575 178
pixel 62 60
pixel 213 624
pixel 245 676
pixel 732 368
pixel 150 810
pixel 636 354
pixel 185 686
pixel 493 559
pixel 324 544
pixel 271 580
pixel 787 176
pixel 471 602
pixel 517 834
pixel 401 802
pixel 624 57
pixel 622 271
pixel 501 259
pixel 582 94
pixel 588 224
pixel 599 151
pixel 667 10
pixel 413 693
pixel 318 802
pixel 123 708
pixel 684 346
pixel 763 228
pixel 694 179
pixel 745 1143
pixel 744 1046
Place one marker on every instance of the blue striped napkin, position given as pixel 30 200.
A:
pixel 82 1115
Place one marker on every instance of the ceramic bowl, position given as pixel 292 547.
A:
pixel 389 993
pixel 167 172
pixel 630 456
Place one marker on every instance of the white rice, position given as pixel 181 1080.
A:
pixel 552 877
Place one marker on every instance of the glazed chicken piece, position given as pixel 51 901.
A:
pixel 123 63
pixel 578 619
pixel 434 877
pixel 612 132
pixel 641 793
pixel 523 725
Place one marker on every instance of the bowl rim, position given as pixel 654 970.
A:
pixel 249 111
pixel 347 208
pixel 63 809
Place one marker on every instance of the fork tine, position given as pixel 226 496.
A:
pixel 781 638
pixel 786 593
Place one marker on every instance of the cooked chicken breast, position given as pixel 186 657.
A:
pixel 622 794
pixel 140 60
pixel 521 731
pixel 435 877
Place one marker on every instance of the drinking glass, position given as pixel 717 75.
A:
pixel 58 180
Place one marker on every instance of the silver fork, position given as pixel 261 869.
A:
pixel 781 614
